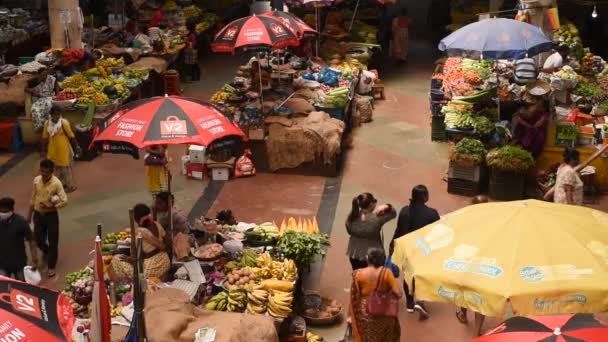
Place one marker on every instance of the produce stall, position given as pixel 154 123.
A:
pixel 303 119
pixel 575 96
pixel 238 269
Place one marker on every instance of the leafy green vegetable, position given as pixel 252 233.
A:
pixel 483 125
pixel 469 152
pixel 588 88
pixel 566 132
pixel 510 158
pixel 302 247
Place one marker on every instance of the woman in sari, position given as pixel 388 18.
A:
pixel 529 127
pixel 154 247
pixel 42 95
pixel 401 36
pixel 368 328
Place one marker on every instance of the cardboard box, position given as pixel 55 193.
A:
pixel 195 170
pixel 197 154
pixel 220 174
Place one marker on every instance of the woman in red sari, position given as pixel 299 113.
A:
pixel 529 129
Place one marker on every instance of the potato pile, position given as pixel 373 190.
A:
pixel 240 277
pixel 329 308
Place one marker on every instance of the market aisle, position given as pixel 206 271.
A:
pixel 388 157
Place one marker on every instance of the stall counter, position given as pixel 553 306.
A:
pixel 552 154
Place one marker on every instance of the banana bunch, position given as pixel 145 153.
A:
pixel 264 260
pixel 230 266
pixel 276 269
pixel 76 81
pixel 237 299
pixel 220 96
pixel 310 337
pixel 258 298
pixel 116 311
pixel 290 271
pixel 279 303
pixel 248 258
pixel 218 302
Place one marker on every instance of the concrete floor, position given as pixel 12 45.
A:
pixel 388 157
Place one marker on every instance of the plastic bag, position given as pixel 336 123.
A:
pixel 31 275
pixel 329 76
pixel 367 82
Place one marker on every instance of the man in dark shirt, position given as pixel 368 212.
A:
pixel 14 231
pixel 411 218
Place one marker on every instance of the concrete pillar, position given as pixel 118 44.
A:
pixel 61 11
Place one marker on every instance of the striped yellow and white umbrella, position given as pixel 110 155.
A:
pixel 522 258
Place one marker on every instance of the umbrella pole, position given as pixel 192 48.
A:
pixel 138 293
pixel 318 27
pixel 352 20
pixel 261 86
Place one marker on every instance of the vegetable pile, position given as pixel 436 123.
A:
pixel 302 247
pixel 469 152
pixel 510 158
pixel 336 98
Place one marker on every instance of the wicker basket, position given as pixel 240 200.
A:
pixel 316 321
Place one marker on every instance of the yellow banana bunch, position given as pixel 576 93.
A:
pixel 310 337
pixel 257 300
pixel 279 303
pixel 264 260
pixel 290 271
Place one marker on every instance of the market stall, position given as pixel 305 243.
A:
pixel 304 109
pixel 218 275
pixel 22 33
pixel 573 96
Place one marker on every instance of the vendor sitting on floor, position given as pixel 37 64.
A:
pixel 154 242
pixel 529 125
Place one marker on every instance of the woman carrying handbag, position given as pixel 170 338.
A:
pixel 374 303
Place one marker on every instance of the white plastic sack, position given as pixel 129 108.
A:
pixel 31 275
pixel 367 82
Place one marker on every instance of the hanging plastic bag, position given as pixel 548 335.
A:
pixel 31 275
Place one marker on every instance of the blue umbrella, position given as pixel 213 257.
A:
pixel 496 38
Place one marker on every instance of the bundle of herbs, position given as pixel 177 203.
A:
pixel 302 247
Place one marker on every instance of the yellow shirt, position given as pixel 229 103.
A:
pixel 59 144
pixel 43 192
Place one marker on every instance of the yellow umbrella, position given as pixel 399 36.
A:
pixel 539 257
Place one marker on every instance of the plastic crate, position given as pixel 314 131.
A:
pixel 507 186
pixel 437 95
pixel 172 84
pixel 469 173
pixel 463 187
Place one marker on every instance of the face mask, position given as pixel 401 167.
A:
pixel 5 216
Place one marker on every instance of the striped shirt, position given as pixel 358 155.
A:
pixel 525 70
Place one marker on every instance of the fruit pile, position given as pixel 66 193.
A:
pixel 257 300
pixel 266 232
pixel 74 82
pixel 279 303
pixel 73 278
pixel 136 73
pixel 567 34
pixel 111 62
pixel 66 96
pixel 240 277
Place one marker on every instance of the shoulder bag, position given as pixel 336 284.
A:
pixel 381 303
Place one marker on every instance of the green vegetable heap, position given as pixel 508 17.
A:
pixel 302 247
pixel 510 158
pixel 469 152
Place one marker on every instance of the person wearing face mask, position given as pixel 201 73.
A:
pixel 48 196
pixel 155 244
pixel 14 230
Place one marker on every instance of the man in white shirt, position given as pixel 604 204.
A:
pixel 556 61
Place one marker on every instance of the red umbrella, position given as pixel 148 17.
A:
pixel 252 33
pixel 31 313
pixel 561 328
pixel 167 120
pixel 293 23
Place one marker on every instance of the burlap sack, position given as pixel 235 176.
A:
pixel 363 108
pixel 13 92
pixel 170 317
pixel 154 63
pixel 298 105
pixel 181 246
